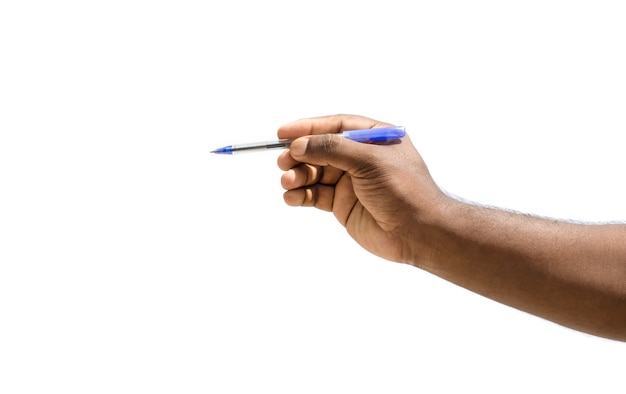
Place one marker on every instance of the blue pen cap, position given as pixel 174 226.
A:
pixel 376 135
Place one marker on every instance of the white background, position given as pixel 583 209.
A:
pixel 132 261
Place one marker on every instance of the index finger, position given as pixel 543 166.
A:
pixel 327 125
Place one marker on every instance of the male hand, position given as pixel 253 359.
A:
pixel 379 193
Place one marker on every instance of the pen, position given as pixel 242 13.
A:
pixel 366 136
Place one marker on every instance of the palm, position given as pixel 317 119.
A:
pixel 371 220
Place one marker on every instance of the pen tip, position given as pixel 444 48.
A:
pixel 227 150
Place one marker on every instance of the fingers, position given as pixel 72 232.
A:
pixel 318 166
pixel 302 175
pixel 327 125
pixel 286 161
pixel 339 198
pixel 318 196
pixel 306 175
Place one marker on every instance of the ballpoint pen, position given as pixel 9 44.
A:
pixel 366 136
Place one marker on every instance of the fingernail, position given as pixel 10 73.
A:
pixel 298 147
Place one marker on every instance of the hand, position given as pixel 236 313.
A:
pixel 379 193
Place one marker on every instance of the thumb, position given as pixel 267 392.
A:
pixel 330 150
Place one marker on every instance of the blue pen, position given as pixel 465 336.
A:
pixel 366 136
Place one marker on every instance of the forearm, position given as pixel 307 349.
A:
pixel 572 274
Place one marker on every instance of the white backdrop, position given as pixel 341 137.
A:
pixel 132 261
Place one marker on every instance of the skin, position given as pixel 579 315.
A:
pixel 571 274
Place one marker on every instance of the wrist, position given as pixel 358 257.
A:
pixel 430 235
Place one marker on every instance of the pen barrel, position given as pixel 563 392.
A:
pixel 375 135
pixel 258 146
